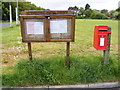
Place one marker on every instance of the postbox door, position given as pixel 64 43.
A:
pixel 102 41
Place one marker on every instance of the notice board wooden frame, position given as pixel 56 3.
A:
pixel 47 16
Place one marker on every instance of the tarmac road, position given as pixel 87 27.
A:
pixel 6 24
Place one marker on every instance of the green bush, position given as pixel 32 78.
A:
pixel 80 17
pixel 118 16
pixel 99 16
pixel 94 16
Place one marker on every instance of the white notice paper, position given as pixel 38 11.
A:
pixel 38 28
pixel 35 27
pixel 102 40
pixel 30 27
pixel 58 26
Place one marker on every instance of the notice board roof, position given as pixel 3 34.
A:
pixel 46 13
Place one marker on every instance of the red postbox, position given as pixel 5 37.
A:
pixel 101 37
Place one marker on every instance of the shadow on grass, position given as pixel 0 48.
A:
pixel 53 71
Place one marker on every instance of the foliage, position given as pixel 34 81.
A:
pixel 118 9
pixel 13 0
pixel 104 11
pixel 87 6
pixel 75 9
pixel 118 16
pixel 87 12
pixel 5 11
pixel 22 6
pixel 113 14
pixel 98 16
pixel 80 17
pixel 81 11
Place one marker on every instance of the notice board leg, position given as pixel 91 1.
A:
pixel 68 55
pixel 30 51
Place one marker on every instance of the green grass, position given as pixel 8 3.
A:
pixel 48 66
pixel 11 36
pixel 85 29
pixel 53 71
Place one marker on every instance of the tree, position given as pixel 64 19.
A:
pixel 75 9
pixel 22 6
pixel 81 11
pixel 98 16
pixel 97 10
pixel 118 16
pixel 5 11
pixel 70 8
pixel 105 11
pixel 88 13
pixel 118 9
pixel 87 6
pixel 113 14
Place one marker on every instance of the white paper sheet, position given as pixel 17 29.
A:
pixel 58 26
pixel 30 27
pixel 102 40
pixel 38 28
pixel 34 27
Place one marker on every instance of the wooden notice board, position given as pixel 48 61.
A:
pixel 47 26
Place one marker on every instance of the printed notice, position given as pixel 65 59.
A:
pixel 58 26
pixel 30 27
pixel 102 40
pixel 34 27
pixel 38 28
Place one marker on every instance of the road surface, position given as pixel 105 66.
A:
pixel 6 24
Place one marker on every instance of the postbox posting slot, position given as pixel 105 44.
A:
pixel 102 30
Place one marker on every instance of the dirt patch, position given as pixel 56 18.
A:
pixel 43 50
pixel 11 55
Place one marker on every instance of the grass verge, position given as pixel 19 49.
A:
pixel 47 69
pixel 53 71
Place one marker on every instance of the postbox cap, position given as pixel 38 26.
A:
pixel 102 27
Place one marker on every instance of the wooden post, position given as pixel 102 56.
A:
pixel 29 51
pixel 67 55
pixel 106 53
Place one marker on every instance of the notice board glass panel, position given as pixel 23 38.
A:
pixel 34 29
pixel 60 28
